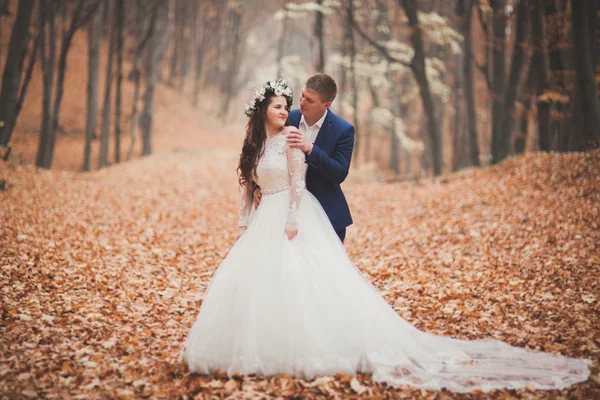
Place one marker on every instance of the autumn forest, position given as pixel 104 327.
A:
pixel 474 182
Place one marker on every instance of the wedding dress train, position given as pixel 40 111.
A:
pixel 301 307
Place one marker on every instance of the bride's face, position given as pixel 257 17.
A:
pixel 277 112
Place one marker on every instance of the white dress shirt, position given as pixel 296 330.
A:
pixel 311 132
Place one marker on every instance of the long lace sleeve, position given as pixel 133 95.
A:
pixel 245 206
pixel 296 167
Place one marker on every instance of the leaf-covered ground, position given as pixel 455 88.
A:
pixel 102 274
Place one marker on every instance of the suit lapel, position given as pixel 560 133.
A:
pixel 324 131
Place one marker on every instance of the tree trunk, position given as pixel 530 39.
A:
pixel 93 35
pixel 584 73
pixel 516 69
pixel 542 84
pixel 369 134
pixel 353 83
pixel 48 58
pixel 11 76
pixel 106 107
pixel 467 13
pixel 199 49
pixel 418 68
pixel 155 54
pixel 50 119
pixel 119 18
pixel 142 37
pixel 228 80
pixel 281 41
pixel 528 93
pixel 557 72
pixel 320 65
pixel 177 44
pixel 499 140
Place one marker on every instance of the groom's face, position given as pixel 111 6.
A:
pixel 311 105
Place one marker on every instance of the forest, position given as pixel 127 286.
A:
pixel 474 181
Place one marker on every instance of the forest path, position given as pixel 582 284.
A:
pixel 102 273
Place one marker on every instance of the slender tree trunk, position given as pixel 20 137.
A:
pixel 48 58
pixel 119 18
pixel 78 18
pixel 584 72
pixel 516 69
pixel 26 79
pixel 155 54
pixel 528 94
pixel 175 55
pixel 135 75
pixel 542 83
pixel 281 41
pixel 353 83
pixel 467 13
pixel 199 49
pixel 320 65
pixel 11 76
pixel 228 80
pixel 106 107
pixel 418 68
pixel 553 18
pixel 93 35
pixel 369 133
pixel 593 16
pixel 499 140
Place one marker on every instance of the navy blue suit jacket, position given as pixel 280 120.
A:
pixel 328 165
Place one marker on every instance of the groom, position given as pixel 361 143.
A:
pixel 327 142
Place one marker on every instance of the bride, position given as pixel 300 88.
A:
pixel 288 300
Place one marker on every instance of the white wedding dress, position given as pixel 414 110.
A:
pixel 300 307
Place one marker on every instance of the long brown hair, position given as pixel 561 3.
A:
pixel 254 142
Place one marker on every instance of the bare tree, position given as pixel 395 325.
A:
pixel 516 67
pixel 119 20
pixel 106 107
pixel 499 140
pixel 80 14
pixel 200 31
pixel 93 35
pixel 13 69
pixel 157 44
pixel 233 32
pixel 465 12
pixel 417 66
pixel 281 41
pixel 319 33
pixel 541 79
pixel 583 55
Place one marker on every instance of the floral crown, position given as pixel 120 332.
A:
pixel 277 88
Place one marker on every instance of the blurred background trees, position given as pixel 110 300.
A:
pixel 431 86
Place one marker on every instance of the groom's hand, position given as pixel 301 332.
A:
pixel 296 140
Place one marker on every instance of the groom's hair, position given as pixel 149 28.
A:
pixel 324 85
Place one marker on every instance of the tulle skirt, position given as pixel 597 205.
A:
pixel 300 307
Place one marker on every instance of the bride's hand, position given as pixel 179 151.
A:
pixel 291 230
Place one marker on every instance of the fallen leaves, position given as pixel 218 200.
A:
pixel 102 274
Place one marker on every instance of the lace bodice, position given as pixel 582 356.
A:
pixel 279 168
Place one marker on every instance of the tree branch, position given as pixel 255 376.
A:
pixel 28 75
pixel 90 11
pixel 376 45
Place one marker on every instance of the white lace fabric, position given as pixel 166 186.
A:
pixel 279 168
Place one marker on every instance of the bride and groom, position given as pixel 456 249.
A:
pixel 288 300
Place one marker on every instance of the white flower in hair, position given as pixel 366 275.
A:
pixel 277 88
